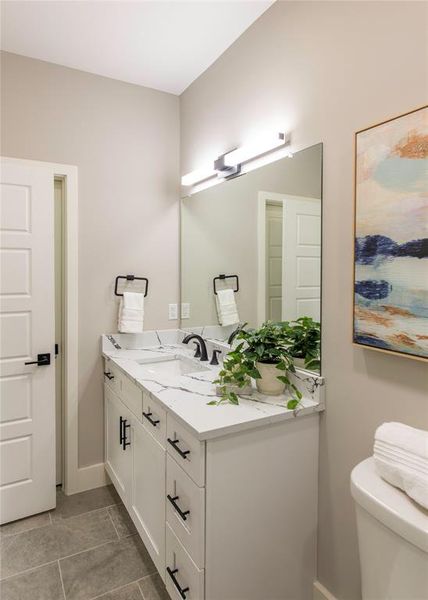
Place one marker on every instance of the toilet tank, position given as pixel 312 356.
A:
pixel 392 537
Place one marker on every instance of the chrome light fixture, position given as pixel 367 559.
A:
pixel 229 164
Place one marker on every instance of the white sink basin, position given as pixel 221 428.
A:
pixel 171 366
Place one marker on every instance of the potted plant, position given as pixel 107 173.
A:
pixel 304 336
pixel 262 355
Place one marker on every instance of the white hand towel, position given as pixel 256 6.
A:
pixel 131 313
pixel 400 455
pixel 405 437
pixel 226 307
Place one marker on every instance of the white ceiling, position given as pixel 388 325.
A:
pixel 159 44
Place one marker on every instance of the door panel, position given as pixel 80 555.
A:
pixel 148 493
pixel 118 459
pixel 302 258
pixel 27 404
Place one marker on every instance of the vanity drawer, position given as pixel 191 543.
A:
pixel 185 510
pixel 154 418
pixel 188 451
pixel 112 376
pixel 183 579
pixel 132 396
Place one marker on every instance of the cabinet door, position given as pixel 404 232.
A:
pixel 118 456
pixel 148 493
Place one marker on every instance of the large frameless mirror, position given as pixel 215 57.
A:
pixel 259 236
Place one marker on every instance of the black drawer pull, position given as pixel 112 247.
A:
pixel 124 436
pixel 177 585
pixel 183 514
pixel 182 453
pixel 121 420
pixel 108 375
pixel 150 420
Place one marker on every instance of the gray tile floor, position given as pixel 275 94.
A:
pixel 86 548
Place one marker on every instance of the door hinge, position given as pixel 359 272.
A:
pixel 56 349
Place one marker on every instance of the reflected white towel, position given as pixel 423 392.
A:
pixel 131 313
pixel 400 454
pixel 226 307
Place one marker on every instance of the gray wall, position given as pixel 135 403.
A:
pixel 124 139
pixel 325 70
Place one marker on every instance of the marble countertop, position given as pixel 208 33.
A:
pixel 186 397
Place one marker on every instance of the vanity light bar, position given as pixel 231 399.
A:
pixel 228 164
pixel 262 145
pixel 197 176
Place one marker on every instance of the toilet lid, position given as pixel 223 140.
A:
pixel 389 505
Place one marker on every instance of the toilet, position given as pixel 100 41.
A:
pixel 392 536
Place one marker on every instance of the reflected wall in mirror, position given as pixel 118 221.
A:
pixel 265 228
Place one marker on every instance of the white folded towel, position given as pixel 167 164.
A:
pixel 226 307
pixel 405 437
pixel 400 455
pixel 131 313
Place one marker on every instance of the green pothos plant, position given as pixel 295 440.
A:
pixel 268 344
pixel 304 336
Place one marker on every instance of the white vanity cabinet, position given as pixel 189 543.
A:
pixel 232 517
pixel 118 456
pixel 147 505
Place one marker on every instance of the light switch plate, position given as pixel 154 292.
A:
pixel 172 312
pixel 185 310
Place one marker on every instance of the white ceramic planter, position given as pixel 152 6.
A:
pixel 269 383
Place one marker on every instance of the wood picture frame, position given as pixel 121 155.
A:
pixel 390 306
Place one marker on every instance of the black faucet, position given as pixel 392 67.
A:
pixel 235 332
pixel 202 345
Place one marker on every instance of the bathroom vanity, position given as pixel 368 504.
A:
pixel 223 497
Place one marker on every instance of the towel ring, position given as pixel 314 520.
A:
pixel 130 278
pixel 222 277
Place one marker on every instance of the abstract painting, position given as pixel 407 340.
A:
pixel 391 235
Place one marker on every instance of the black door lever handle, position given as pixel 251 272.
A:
pixel 42 360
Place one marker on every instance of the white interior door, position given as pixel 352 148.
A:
pixel 301 265
pixel 274 261
pixel 27 321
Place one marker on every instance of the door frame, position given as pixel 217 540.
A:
pixel 72 478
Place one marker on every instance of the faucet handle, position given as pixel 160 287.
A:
pixel 197 350
pixel 214 359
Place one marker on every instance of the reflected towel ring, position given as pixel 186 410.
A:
pixel 222 277
pixel 130 278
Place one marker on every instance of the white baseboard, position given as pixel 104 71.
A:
pixel 88 478
pixel 321 593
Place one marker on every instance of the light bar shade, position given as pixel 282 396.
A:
pixel 197 176
pixel 261 145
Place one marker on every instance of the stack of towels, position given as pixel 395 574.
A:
pixel 131 313
pixel 226 307
pixel 401 457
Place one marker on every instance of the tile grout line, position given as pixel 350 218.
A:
pixel 125 585
pixel 88 512
pixel 87 549
pixel 51 562
pixel 62 582
pixel 121 587
pixel 58 520
pixel 114 526
pixel 10 535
